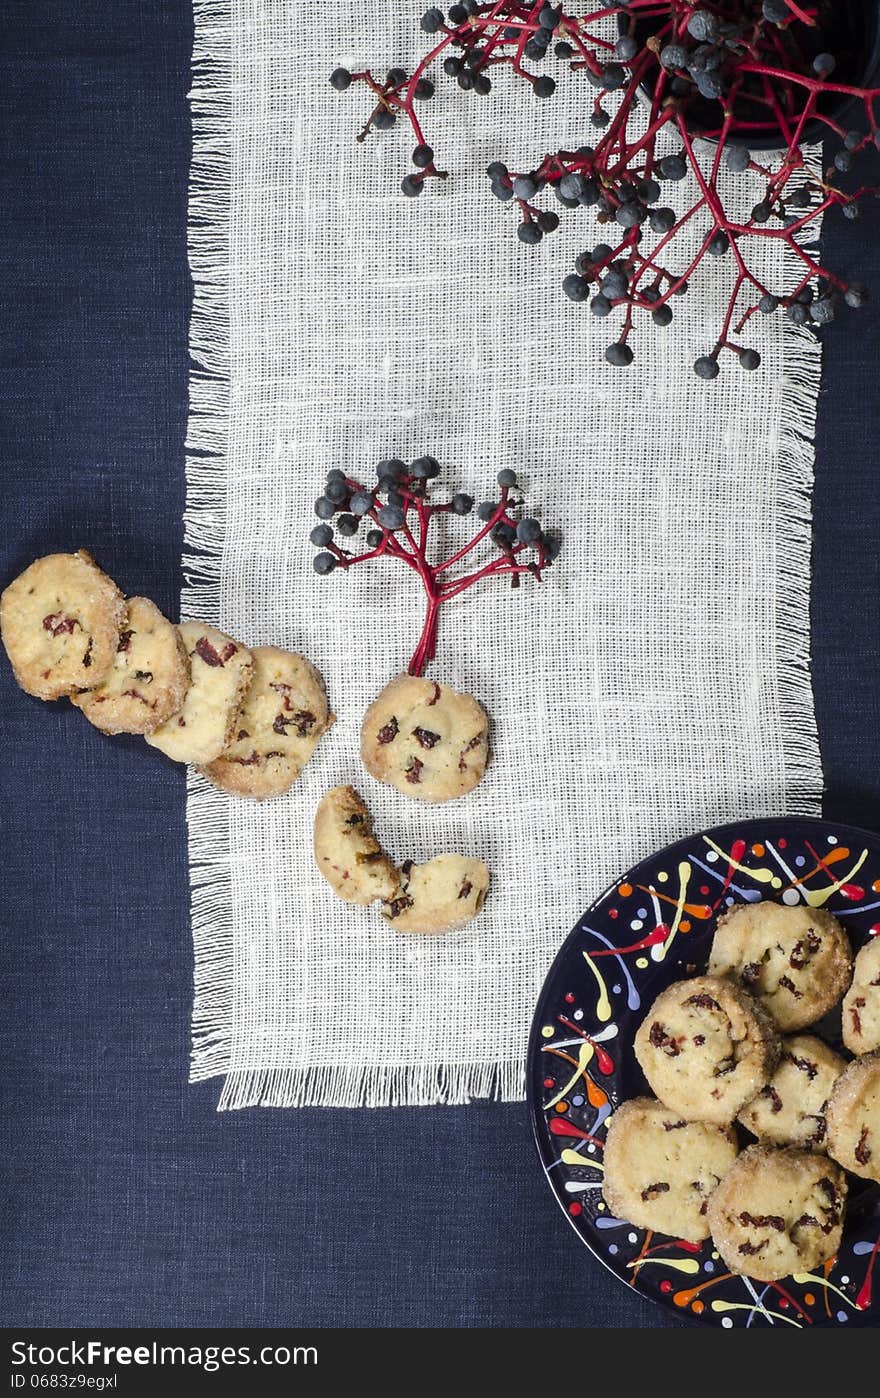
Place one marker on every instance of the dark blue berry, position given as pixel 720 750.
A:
pixel 703 26
pixel 502 191
pixel 615 285
pixel 710 86
pixel 361 503
pixel 851 211
pixel 457 14
pixel 496 170
pixel 649 191
pixel 627 47
pixel 346 525
pixel 856 295
pixel 776 11
pixel 619 354
pixel 391 467
pixel 411 185
pixel 423 90
pixel 374 538
pixel 719 244
pixel 529 233
pixel 576 288
pixel 506 478
pixel 613 77
pixel 486 510
pixel 524 187
pixel 706 367
pixel 528 531
pixel 662 315
pixel 738 158
pixel 564 50
pixel 548 221
pixel 852 140
pixel 422 156
pixel 462 504
pixel 432 20
pixel 544 86
pixel 324 507
pixel 631 215
pixel 673 56
pixel 336 491
pixel 321 535
pixel 768 304
pixel 823 310
pixel 824 64
pixel 600 117
pixel 391 517
pixel 673 167
pixel 661 220
pixel 798 314
pixel 323 563
pixel 340 78
pixel 761 212
pixel 453 66
pixel 750 359
pixel 843 161
pixel 383 119
pixel 600 306
pixel 482 84
pixel 425 468
pixel 396 77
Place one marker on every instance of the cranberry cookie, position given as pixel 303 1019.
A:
pixel 790 1109
pixel 854 1118
pixel 425 739
pixel 220 673
pixel 706 1049
pixel 60 621
pixel 280 719
pixel 148 678
pixel 861 1005
pixel 796 961
pixel 348 853
pixel 778 1212
pixel 661 1170
pixel 439 896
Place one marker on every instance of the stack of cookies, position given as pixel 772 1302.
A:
pixel 248 719
pixel 728 1048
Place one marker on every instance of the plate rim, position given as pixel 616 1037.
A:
pixel 741 827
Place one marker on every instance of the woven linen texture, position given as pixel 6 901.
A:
pixel 657 682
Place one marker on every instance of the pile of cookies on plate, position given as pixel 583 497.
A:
pixel 249 719
pixel 727 1050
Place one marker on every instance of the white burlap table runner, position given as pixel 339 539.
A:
pixel 656 683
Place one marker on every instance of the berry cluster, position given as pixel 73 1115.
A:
pixel 399 513
pixel 742 74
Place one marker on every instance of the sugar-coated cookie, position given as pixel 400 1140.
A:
pixel 796 961
pixel 425 739
pixel 790 1109
pixel 445 893
pixel 706 1048
pixel 778 1212
pixel 348 853
pixel 853 1116
pixel 661 1170
pixel 220 673
pixel 148 678
pixel 60 621
pixel 861 1004
pixel 279 722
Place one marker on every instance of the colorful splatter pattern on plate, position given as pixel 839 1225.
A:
pixel 652 927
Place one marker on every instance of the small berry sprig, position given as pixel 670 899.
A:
pixel 402 526
pixel 732 71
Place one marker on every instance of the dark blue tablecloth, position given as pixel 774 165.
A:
pixel 126 1198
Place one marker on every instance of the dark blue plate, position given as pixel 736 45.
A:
pixel 652 927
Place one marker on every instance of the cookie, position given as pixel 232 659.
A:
pixel 348 853
pixel 660 1170
pixel 706 1049
pixel 148 678
pixel 425 739
pixel 60 621
pixel 861 1004
pixel 790 1109
pixel 220 673
pixel 853 1116
pixel 439 896
pixel 282 716
pixel 796 961
pixel 778 1212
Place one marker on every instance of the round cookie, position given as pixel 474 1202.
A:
pixel 706 1049
pixel 148 678
pixel 661 1170
pixel 778 1212
pixel 790 1109
pixel 425 739
pixel 853 1116
pixel 282 716
pixel 445 893
pixel 861 1004
pixel 348 853
pixel 796 961
pixel 220 671
pixel 60 621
